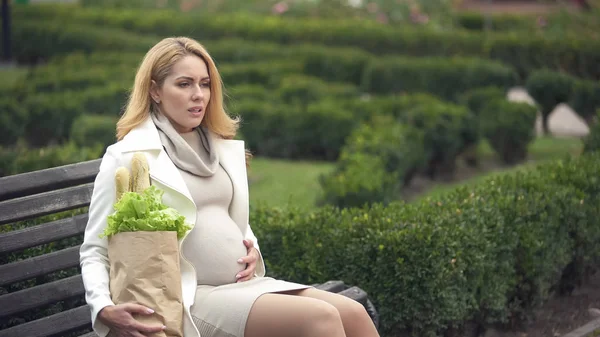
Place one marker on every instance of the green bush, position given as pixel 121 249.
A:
pixel 447 78
pixel 548 89
pixel 523 52
pixel 488 253
pixel 337 64
pixel 20 158
pixel 360 178
pixel 50 117
pixel 379 158
pixel 90 130
pixel 247 92
pixel 585 99
pixel 264 127
pixel 444 126
pixel 13 119
pixel 302 90
pixel 267 74
pixel 74 78
pixel 320 131
pixel 509 127
pixel 585 232
pixel 477 99
pixel 46 39
pixel 592 140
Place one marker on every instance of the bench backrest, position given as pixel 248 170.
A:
pixel 24 284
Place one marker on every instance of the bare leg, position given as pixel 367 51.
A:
pixel 278 315
pixel 356 320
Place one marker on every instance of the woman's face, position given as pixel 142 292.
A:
pixel 185 93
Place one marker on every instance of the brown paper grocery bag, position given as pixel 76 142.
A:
pixel 144 269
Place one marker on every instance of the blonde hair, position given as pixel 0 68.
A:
pixel 156 65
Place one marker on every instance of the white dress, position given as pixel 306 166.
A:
pixel 221 306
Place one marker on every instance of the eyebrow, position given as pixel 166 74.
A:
pixel 191 79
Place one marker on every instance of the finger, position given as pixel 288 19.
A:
pixel 148 328
pixel 243 274
pixel 247 259
pixel 136 308
pixel 248 243
pixel 247 278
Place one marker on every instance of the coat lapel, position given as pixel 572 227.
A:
pixel 232 158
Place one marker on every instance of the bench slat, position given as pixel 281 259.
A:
pixel 41 295
pixel 45 203
pixel 19 185
pixel 39 265
pixel 58 323
pixel 41 234
pixel 331 286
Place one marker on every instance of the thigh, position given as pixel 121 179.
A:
pixel 284 315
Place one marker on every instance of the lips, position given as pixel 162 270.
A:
pixel 196 109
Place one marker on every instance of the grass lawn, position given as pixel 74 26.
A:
pixel 278 183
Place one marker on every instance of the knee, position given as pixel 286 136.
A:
pixel 325 320
pixel 353 311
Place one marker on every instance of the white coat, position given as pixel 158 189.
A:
pixel 164 175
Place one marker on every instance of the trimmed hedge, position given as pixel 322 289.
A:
pixel 58 111
pixel 378 159
pixel 577 56
pixel 446 78
pixel 91 130
pixel 484 254
pixel 509 127
pixel 585 99
pixel 49 38
pixel 13 118
pixel 549 88
pixel 20 158
pixel 592 140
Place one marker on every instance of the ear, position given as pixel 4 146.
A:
pixel 155 92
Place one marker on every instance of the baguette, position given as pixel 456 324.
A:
pixel 140 173
pixel 122 181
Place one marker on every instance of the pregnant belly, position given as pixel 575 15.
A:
pixel 213 249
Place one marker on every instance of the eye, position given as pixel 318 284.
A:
pixel 183 84
pixel 206 84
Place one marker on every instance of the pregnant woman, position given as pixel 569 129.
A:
pixel 175 117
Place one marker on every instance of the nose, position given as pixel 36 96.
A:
pixel 198 94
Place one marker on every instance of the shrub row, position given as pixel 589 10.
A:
pixel 443 77
pixel 577 56
pixel 549 88
pixel 592 141
pixel 485 254
pixel 420 134
pixel 508 126
pixel 46 39
pixel 48 118
pixel 21 158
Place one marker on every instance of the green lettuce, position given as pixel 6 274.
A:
pixel 144 212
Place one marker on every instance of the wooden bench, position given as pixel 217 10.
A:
pixel 43 295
